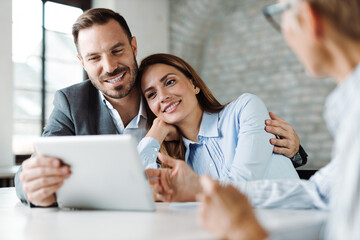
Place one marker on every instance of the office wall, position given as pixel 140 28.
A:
pixel 235 51
pixel 148 22
pixel 6 85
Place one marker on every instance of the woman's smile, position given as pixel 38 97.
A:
pixel 170 108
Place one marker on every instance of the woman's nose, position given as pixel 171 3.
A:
pixel 164 96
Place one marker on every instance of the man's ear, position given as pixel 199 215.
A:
pixel 134 45
pixel 81 60
pixel 311 20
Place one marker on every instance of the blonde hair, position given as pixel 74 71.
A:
pixel 343 14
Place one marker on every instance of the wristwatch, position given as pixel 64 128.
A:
pixel 300 158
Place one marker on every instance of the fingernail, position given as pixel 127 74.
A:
pixel 55 163
pixel 267 121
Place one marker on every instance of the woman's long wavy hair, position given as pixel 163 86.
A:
pixel 207 101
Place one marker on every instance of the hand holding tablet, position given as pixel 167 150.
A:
pixel 106 172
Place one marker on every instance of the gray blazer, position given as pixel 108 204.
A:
pixel 78 110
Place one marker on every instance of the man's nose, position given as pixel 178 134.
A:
pixel 109 64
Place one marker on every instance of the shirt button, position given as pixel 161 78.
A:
pixel 155 149
pixel 211 164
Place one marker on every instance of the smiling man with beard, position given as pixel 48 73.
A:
pixel 108 103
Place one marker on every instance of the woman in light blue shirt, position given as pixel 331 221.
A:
pixel 227 142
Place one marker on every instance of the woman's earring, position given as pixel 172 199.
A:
pixel 196 91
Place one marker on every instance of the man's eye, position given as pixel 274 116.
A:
pixel 170 82
pixel 118 51
pixel 93 58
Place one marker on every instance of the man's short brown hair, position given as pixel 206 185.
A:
pixel 98 16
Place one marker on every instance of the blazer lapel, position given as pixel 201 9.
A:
pixel 100 119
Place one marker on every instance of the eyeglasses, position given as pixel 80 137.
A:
pixel 272 13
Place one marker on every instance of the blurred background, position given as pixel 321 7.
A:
pixel 229 42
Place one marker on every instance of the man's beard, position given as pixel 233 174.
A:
pixel 122 90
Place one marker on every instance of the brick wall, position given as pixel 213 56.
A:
pixel 235 50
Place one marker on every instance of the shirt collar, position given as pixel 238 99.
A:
pixel 104 101
pixel 341 99
pixel 142 110
pixel 141 113
pixel 208 127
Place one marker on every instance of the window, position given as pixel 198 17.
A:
pixel 44 58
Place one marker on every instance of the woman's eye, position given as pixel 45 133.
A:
pixel 150 95
pixel 170 82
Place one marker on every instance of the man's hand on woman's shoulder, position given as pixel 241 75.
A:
pixel 288 143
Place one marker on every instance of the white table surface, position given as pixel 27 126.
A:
pixel 170 221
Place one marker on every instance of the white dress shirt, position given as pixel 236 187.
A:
pixel 136 127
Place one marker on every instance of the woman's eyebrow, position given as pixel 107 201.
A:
pixel 166 75
pixel 161 80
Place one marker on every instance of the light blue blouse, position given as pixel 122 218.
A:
pixel 232 145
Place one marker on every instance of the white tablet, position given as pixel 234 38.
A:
pixel 106 172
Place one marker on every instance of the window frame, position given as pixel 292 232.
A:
pixel 82 4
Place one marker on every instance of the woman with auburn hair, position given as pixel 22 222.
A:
pixel 227 142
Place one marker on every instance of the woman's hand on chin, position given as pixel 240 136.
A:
pixel 173 133
pixel 162 131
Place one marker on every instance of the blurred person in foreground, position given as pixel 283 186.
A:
pixel 325 35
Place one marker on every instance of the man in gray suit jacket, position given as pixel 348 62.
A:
pixel 107 104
